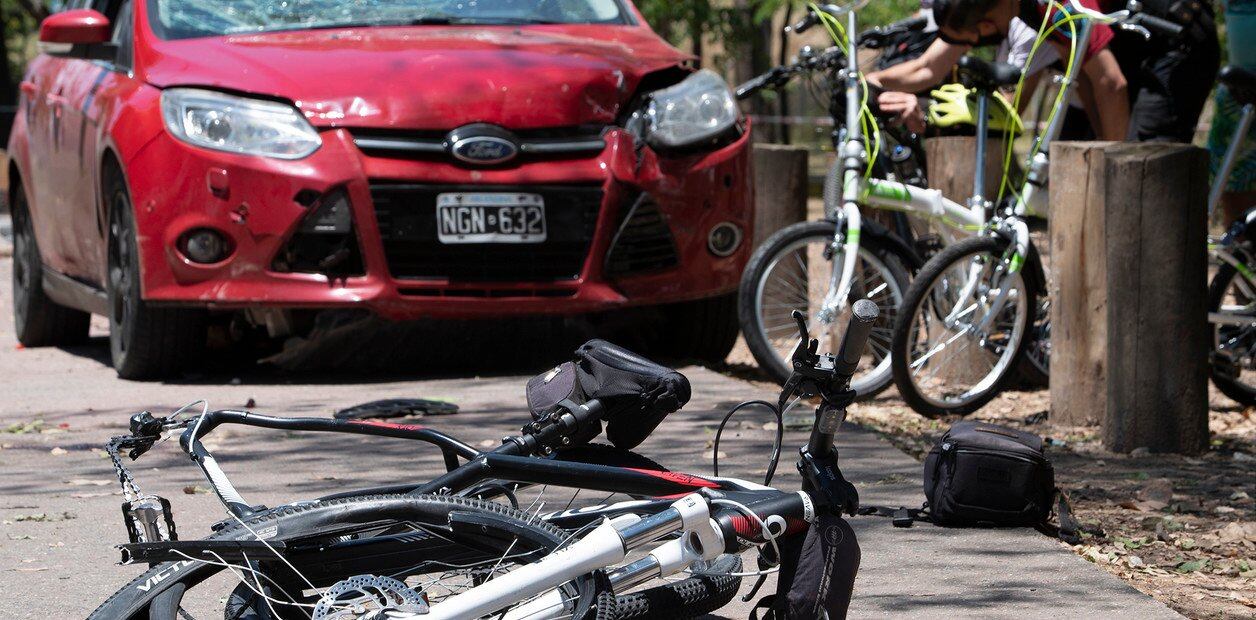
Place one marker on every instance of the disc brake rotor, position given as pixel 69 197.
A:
pixel 368 597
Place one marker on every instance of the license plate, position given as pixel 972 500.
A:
pixel 490 218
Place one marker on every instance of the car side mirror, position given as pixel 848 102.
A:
pixel 67 32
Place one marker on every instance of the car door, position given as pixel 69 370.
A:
pixel 90 89
pixel 44 111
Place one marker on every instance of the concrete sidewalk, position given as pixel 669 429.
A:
pixel 61 565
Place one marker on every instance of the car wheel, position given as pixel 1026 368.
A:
pixel 38 320
pixel 704 330
pixel 146 342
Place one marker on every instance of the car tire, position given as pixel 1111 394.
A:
pixel 38 321
pixel 704 330
pixel 145 342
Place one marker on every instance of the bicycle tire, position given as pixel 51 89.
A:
pixel 690 598
pixel 912 304
pixel 873 244
pixel 1029 372
pixel 1236 391
pixel 166 583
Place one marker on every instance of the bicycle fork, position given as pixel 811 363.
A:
pixel 854 158
pixel 1020 249
pixel 606 545
pixel 842 281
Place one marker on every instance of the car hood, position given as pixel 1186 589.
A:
pixel 426 77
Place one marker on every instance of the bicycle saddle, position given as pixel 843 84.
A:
pixel 1240 82
pixel 978 73
pixel 637 394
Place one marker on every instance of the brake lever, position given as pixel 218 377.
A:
pixel 1135 28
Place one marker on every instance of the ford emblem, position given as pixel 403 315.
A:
pixel 484 150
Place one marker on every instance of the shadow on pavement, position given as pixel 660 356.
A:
pixel 378 351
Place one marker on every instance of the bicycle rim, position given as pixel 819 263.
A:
pixel 425 553
pixel 798 278
pixel 1234 344
pixel 951 361
pixel 1038 350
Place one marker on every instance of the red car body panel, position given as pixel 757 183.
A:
pixel 75 114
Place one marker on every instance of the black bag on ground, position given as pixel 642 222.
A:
pixel 982 474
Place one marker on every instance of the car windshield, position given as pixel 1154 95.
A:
pixel 183 19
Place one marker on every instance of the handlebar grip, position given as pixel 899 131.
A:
pixel 1158 26
pixel 752 86
pixel 862 315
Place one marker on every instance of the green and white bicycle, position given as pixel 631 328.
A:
pixel 826 265
pixel 1232 292
pixel 972 313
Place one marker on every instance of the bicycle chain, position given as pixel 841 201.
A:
pixel 130 489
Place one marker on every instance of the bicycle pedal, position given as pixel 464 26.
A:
pixel 148 518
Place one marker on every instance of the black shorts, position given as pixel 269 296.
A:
pixel 1168 83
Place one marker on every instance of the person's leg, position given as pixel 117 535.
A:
pixel 1175 85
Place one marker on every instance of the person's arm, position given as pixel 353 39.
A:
pixel 1108 93
pixel 920 73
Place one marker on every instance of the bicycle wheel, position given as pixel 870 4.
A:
pixel 1233 369
pixel 942 363
pixel 428 546
pixel 792 271
pixel 1034 369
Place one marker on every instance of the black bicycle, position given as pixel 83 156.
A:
pixel 450 547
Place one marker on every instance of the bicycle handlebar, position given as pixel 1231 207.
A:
pixel 1131 18
pixel 795 509
pixel 1157 25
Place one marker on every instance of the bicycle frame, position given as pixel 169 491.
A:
pixel 1226 250
pixel 503 463
pixel 891 195
pixel 1030 199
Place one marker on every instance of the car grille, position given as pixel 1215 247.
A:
pixel 643 242
pixel 559 142
pixel 407 224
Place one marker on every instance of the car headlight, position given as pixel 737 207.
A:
pixel 225 122
pixel 698 109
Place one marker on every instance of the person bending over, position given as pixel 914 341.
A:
pixel 1132 89
pixel 965 24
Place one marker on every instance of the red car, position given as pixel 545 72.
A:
pixel 177 161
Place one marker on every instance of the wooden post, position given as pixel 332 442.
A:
pixel 952 160
pixel 1129 317
pixel 780 188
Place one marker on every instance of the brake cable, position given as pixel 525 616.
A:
pixel 776 442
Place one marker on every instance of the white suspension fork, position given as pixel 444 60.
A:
pixel 1020 249
pixel 842 281
pixel 606 545
pixel 853 160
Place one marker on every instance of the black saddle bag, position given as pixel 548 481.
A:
pixel 983 474
pixel 637 393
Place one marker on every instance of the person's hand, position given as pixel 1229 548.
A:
pixel 905 107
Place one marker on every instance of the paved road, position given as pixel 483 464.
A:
pixel 63 566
